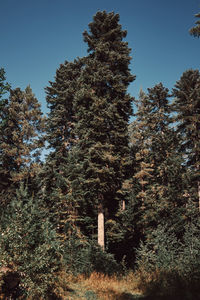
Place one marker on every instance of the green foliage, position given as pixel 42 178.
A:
pixel 160 251
pixel 191 252
pixel 61 118
pixel 102 107
pixel 103 262
pixel 4 86
pixel 139 175
pixel 60 138
pixel 21 130
pixel 157 186
pixel 169 266
pixel 4 89
pixel 187 107
pixel 84 257
pixel 195 31
pixel 29 246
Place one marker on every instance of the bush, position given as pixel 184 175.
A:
pixel 29 248
pixel 103 262
pixel 169 267
pixel 84 257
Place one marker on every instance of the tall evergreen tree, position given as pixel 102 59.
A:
pixel 187 108
pixel 20 136
pixel 60 98
pixel 60 139
pixel 158 183
pixel 140 139
pixel 167 185
pixel 103 109
pixel 4 88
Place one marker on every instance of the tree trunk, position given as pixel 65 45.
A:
pixel 101 239
pixel 199 193
pixel 123 205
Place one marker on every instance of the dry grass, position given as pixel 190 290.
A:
pixel 109 288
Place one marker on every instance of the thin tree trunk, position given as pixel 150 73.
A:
pixel 123 205
pixel 199 193
pixel 101 233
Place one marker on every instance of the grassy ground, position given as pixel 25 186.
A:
pixel 130 287
pixel 101 287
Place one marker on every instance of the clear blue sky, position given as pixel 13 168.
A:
pixel 38 35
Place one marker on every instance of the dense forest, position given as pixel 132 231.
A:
pixel 119 188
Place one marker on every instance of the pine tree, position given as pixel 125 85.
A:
pixel 167 182
pixel 140 139
pixel 103 109
pixel 60 97
pixel 60 139
pixel 195 31
pixel 187 108
pixel 4 88
pixel 21 128
pixel 157 182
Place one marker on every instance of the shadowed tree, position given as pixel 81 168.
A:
pixel 157 182
pixel 4 88
pixel 60 139
pixel 187 108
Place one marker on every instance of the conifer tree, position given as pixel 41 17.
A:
pixel 195 31
pixel 133 219
pixel 60 138
pixel 4 88
pixel 158 170
pixel 102 108
pixel 140 139
pixel 21 127
pixel 187 108
pixel 166 188
pixel 60 97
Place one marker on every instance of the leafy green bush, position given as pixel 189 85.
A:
pixel 76 255
pixel 84 257
pixel 28 246
pixel 169 267
pixel 160 251
pixel 102 261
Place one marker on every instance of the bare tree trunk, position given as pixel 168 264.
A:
pixel 123 205
pixel 199 193
pixel 101 233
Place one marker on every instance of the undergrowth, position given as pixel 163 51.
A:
pixel 103 287
pixel 169 268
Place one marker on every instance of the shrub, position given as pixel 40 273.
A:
pixel 28 246
pixel 84 257
pixel 169 267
